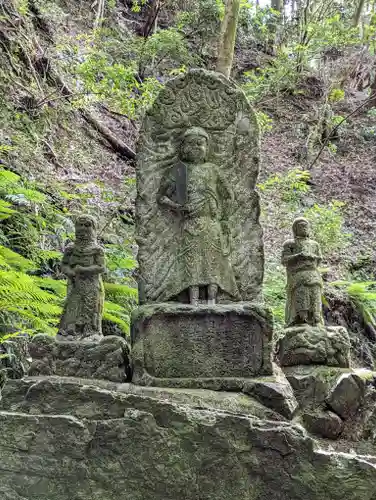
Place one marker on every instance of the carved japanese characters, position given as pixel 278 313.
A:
pixel 301 257
pixel 83 263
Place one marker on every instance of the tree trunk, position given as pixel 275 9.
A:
pixel 151 21
pixel 358 13
pixel 228 37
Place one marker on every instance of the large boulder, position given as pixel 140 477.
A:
pixel 346 395
pixel 65 439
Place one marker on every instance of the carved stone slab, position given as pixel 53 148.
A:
pixel 213 347
pixel 207 100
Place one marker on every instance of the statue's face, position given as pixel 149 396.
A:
pixel 194 148
pixel 302 229
pixel 84 229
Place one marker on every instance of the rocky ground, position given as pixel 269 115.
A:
pixel 70 439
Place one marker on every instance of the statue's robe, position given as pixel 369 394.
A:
pixel 83 308
pixel 202 256
pixel 304 282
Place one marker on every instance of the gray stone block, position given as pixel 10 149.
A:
pixel 107 359
pixel 213 347
pixel 320 345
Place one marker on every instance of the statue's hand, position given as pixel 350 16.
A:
pixel 308 256
pixel 167 202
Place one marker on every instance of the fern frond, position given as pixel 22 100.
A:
pixel 124 325
pixel 58 287
pixel 121 294
pixel 5 210
pixel 15 260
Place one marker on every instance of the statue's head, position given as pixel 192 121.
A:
pixel 85 228
pixel 301 228
pixel 194 146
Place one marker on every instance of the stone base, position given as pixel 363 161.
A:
pixel 323 345
pixel 209 347
pixel 66 439
pixel 107 359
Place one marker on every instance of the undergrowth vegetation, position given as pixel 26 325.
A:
pixel 75 82
pixel 32 289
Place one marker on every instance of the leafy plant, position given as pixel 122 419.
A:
pixel 327 226
pixel 336 95
pixel 275 293
pixel 363 294
pixel 289 187
pixel 264 121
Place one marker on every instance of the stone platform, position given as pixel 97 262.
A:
pixel 71 439
pixel 212 347
pixel 316 345
pixel 106 359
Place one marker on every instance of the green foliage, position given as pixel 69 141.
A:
pixel 22 7
pixel 29 216
pixel 275 293
pixel 123 77
pixel 372 113
pixel 327 226
pixel 199 21
pixel 30 303
pixel 363 295
pixel 332 148
pixel 336 95
pixel 280 76
pixel 264 121
pixel 24 306
pixel 121 300
pixel 336 120
pixel 288 187
pixel 137 4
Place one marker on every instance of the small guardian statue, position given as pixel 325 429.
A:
pixel 199 197
pixel 301 257
pixel 83 263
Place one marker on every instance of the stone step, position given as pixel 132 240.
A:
pixel 155 449
pixel 103 400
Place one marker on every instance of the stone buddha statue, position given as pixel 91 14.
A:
pixel 83 263
pixel 199 197
pixel 301 257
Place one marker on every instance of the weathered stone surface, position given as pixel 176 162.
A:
pixel 107 359
pixel 157 450
pixel 213 347
pixel 198 148
pixel 16 358
pixel 346 395
pixel 83 263
pixel 302 256
pixel 325 424
pixel 311 384
pixel 304 345
pixel 275 393
pixel 104 399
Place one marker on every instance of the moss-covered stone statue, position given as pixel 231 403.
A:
pixel 306 340
pixel 197 210
pixel 301 256
pixel 200 198
pixel 200 245
pixel 83 263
